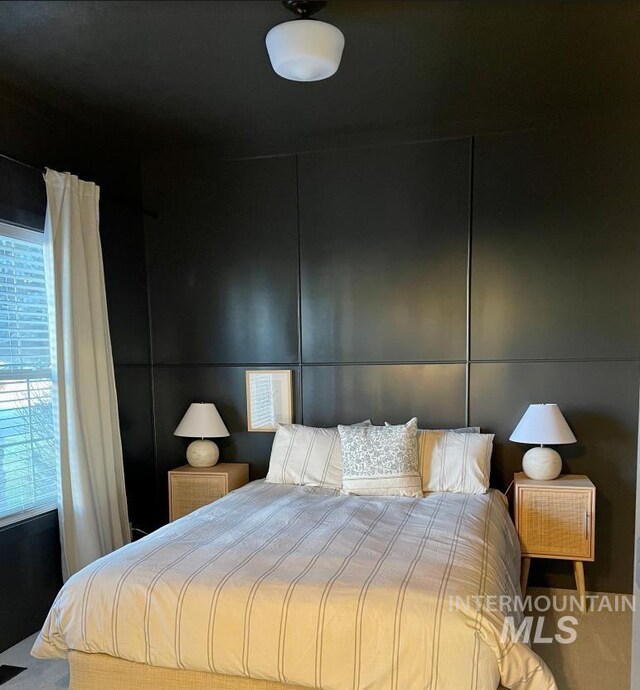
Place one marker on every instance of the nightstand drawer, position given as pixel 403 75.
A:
pixel 191 488
pixel 555 522
pixel 190 492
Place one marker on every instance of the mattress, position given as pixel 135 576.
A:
pixel 310 587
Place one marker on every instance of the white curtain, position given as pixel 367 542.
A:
pixel 92 501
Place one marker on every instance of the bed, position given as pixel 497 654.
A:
pixel 281 586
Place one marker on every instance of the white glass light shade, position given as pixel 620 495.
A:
pixel 543 424
pixel 201 420
pixel 305 49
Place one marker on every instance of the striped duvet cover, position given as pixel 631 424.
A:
pixel 311 587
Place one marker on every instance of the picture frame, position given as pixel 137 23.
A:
pixel 269 399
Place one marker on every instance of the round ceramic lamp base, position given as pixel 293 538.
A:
pixel 542 463
pixel 202 453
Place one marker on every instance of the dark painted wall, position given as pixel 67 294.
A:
pixel 554 313
pixel 30 551
pixel 29 577
pixel 383 241
pixel 457 280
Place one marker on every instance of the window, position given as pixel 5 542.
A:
pixel 28 447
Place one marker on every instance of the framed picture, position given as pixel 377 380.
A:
pixel 269 399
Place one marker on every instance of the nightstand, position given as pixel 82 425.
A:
pixel 193 487
pixel 556 519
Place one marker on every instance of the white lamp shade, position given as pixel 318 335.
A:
pixel 201 421
pixel 543 424
pixel 305 49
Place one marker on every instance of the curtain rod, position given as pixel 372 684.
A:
pixel 42 171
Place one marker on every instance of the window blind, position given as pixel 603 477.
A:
pixel 28 444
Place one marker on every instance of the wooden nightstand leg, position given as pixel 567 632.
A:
pixel 524 574
pixel 578 571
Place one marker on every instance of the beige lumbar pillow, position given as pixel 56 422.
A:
pixel 380 460
pixel 307 456
pixel 454 461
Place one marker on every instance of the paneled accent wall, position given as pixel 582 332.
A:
pixel 555 283
pixel 456 280
pixel 383 253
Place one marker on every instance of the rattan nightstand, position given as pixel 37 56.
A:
pixel 556 519
pixel 193 487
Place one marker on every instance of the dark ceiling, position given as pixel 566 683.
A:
pixel 184 73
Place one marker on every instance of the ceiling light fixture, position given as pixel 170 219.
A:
pixel 305 49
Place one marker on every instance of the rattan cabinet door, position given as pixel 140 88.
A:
pixel 190 492
pixel 555 523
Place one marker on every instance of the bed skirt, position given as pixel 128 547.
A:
pixel 101 671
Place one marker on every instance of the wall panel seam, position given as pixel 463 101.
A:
pixel 467 402
pixel 299 288
pixel 158 509
pixel 380 363
pixel 557 360
pixel 355 147
pixel 292 365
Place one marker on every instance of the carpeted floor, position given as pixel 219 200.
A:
pixel 599 658
pixel 40 675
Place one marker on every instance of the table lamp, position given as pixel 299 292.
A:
pixel 203 422
pixel 542 423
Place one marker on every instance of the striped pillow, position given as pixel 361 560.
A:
pixel 454 461
pixel 307 456
pixel 381 460
pixel 461 430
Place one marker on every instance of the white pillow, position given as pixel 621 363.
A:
pixel 454 461
pixel 380 460
pixel 461 430
pixel 306 455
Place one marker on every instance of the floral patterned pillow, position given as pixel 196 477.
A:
pixel 380 460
